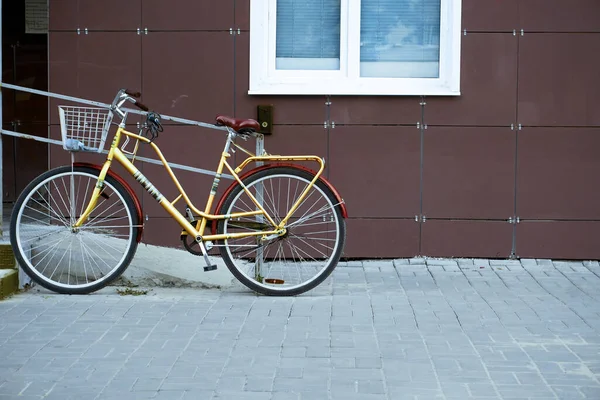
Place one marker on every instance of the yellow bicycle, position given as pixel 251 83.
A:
pixel 280 227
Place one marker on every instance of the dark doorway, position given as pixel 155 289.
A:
pixel 24 63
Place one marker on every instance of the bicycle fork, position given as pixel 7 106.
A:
pixel 95 195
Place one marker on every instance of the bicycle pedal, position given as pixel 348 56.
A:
pixel 210 268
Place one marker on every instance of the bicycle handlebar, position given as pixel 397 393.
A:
pixel 141 106
pixel 131 96
pixel 137 95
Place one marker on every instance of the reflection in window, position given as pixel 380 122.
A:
pixel 400 38
pixel 308 35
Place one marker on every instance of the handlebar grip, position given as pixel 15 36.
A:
pixel 132 94
pixel 141 106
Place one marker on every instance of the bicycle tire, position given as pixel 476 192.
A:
pixel 67 260
pixel 311 247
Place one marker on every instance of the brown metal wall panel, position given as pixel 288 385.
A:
pixel 557 168
pixel 571 240
pixel 63 15
pixel 295 140
pixel 559 15
pixel 286 110
pixel 488 84
pixel 110 15
pixel 490 15
pixel 443 238
pixel 165 232
pixel 56 153
pixel 108 61
pixel 468 172
pixel 187 15
pixel 559 80
pixel 188 74
pixel 62 68
pixel 93 66
pixel 375 110
pixel 242 14
pixel 381 238
pixel 376 169
pixel 196 147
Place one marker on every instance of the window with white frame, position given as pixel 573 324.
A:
pixel 355 47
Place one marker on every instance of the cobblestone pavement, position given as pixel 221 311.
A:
pixel 402 329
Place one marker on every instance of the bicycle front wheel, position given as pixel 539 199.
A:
pixel 311 247
pixel 72 260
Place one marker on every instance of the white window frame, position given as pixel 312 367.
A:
pixel 266 80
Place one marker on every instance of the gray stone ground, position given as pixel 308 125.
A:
pixel 403 329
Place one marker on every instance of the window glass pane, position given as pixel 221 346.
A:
pixel 400 38
pixel 308 34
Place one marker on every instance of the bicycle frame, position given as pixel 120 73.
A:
pixel 115 153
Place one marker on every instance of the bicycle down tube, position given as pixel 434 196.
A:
pixel 117 154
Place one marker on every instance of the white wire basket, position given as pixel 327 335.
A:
pixel 84 128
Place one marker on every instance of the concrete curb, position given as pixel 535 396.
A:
pixel 9 276
pixel 7 257
pixel 9 282
pixel 172 267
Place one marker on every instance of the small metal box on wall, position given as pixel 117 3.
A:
pixel 265 118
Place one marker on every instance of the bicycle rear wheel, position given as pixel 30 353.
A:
pixel 309 251
pixel 66 259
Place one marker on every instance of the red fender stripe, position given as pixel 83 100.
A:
pixel 136 201
pixel 269 166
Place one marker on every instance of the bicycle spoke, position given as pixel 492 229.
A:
pixel 91 252
pixel 58 216
pixel 32 248
pixel 53 232
pixel 104 241
pixel 84 201
pixel 302 256
pixel 91 261
pixel 37 219
pixel 74 260
pixel 312 247
pixel 67 193
pixel 305 200
pixel 50 259
pixel 82 250
pixel 100 227
pixel 91 221
pixel 313 215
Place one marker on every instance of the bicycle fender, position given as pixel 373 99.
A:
pixel 269 166
pixel 136 201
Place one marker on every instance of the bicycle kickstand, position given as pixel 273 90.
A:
pixel 209 266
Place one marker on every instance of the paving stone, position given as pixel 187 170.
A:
pixel 377 332
pixel 440 261
pixel 505 262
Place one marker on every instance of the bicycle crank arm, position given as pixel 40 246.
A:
pixel 209 266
